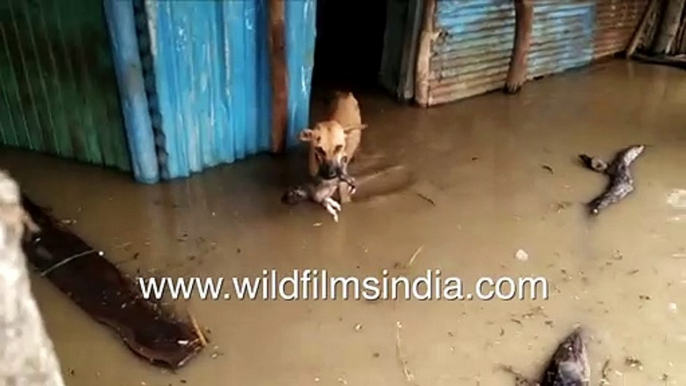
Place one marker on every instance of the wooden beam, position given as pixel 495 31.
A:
pixel 524 20
pixel 426 40
pixel 277 50
pixel 672 61
pixel 102 291
pixel 668 27
pixel 642 27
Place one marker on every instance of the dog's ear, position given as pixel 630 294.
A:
pixel 306 135
pixel 350 129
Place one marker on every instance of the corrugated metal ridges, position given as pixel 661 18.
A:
pixel 472 53
pixel 562 36
pixel 211 81
pixel 301 17
pixel 58 90
pixel 212 78
pixel 616 21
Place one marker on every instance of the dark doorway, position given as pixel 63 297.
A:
pixel 349 45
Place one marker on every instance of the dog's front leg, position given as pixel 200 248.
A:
pixel 332 207
pixel 346 186
pixel 344 192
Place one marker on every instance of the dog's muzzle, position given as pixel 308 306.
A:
pixel 329 170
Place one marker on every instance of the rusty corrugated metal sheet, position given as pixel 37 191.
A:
pixel 471 55
pixel 562 37
pixel 616 21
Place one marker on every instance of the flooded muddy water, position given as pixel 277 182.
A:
pixel 479 180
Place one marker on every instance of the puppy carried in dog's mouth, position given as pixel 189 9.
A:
pixel 320 191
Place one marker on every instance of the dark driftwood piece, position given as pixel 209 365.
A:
pixel 621 182
pixel 642 28
pixel 524 20
pixel 101 290
pixel 669 27
pixel 279 82
pixel 569 365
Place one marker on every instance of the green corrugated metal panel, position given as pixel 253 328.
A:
pixel 58 91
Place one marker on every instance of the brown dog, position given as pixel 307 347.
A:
pixel 333 142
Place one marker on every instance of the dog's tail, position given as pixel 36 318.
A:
pixel 294 195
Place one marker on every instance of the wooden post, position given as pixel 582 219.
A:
pixel 524 20
pixel 640 31
pixel 277 46
pixel 668 27
pixel 27 356
pixel 424 54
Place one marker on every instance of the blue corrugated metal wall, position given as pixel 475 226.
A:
pixel 300 40
pixel 209 79
pixel 471 55
pixel 129 71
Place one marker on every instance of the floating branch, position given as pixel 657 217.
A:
pixel 621 182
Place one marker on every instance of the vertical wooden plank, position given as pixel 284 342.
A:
pixel 668 27
pixel 424 54
pixel 642 28
pixel 524 21
pixel 277 48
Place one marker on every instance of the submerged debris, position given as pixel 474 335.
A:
pixel 621 181
pixel 520 379
pixel 633 362
pixel 604 373
pixel 409 376
pixel 521 255
pixel 560 206
pixel 569 365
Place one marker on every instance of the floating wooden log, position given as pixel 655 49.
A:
pixel 102 291
pixel 524 20
pixel 621 182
